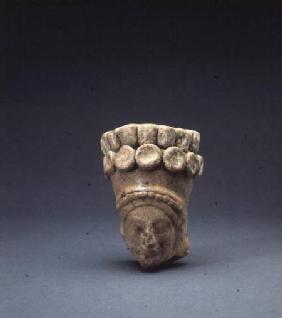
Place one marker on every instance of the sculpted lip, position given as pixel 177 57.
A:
pixel 149 253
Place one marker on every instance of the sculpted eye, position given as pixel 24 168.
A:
pixel 138 229
pixel 162 226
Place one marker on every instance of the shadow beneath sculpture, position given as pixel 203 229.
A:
pixel 212 252
pixel 128 265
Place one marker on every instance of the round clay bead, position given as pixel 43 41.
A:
pixel 201 164
pixel 183 138
pixel 113 140
pixel 195 144
pixel 108 163
pixel 192 163
pixel 125 158
pixel 127 134
pixel 147 134
pixel 174 159
pixel 105 146
pixel 166 136
pixel 148 156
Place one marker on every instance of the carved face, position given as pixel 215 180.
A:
pixel 150 235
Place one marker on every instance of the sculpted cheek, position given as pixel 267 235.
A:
pixel 167 241
pixel 133 236
pixel 132 239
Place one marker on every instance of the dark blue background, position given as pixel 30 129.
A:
pixel 70 72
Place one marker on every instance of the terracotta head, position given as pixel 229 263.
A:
pixel 152 169
pixel 150 235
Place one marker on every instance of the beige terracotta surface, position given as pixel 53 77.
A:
pixel 152 169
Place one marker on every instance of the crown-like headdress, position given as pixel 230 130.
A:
pixel 153 164
pixel 149 146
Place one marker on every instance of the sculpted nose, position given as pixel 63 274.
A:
pixel 150 241
pixel 151 245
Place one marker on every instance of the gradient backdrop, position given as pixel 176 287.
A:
pixel 70 72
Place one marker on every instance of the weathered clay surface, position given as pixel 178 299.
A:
pixel 152 169
pixel 148 156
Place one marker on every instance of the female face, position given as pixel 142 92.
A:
pixel 150 235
